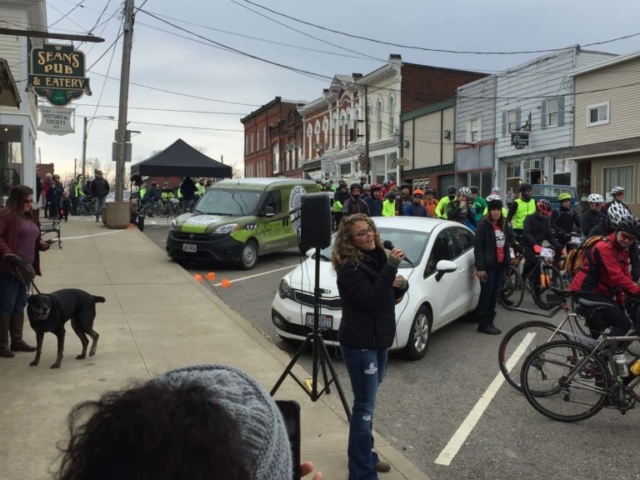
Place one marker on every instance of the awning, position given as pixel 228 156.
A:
pixel 9 94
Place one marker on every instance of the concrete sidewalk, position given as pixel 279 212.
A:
pixel 156 317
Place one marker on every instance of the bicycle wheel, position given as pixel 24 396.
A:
pixel 548 368
pixel 550 276
pixel 519 342
pixel 512 291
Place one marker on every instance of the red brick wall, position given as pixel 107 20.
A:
pixel 423 85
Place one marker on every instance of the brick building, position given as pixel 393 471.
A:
pixel 273 140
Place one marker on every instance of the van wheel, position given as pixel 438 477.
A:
pixel 420 335
pixel 248 256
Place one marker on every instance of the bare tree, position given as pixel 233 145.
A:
pixel 237 171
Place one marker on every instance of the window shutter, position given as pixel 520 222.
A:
pixel 504 124
pixel 518 118
pixel 543 115
pixel 561 110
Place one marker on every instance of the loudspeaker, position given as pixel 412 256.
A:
pixel 315 225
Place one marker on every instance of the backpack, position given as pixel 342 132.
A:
pixel 575 257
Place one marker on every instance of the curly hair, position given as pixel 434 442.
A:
pixel 154 431
pixel 343 248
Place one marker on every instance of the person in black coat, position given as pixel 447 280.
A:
pixel 188 191
pixel 492 257
pixel 374 202
pixel 369 288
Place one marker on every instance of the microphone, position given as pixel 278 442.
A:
pixel 390 246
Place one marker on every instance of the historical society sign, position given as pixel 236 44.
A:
pixel 57 73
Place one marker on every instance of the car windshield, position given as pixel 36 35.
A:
pixel 550 191
pixel 412 242
pixel 236 203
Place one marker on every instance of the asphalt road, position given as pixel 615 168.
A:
pixel 422 404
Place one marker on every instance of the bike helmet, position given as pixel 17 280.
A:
pixel 342 183
pixel 616 190
pixel 629 224
pixel 617 212
pixel 464 191
pixel 451 190
pixel 474 189
pixel 405 185
pixel 354 186
pixel 496 189
pixel 492 197
pixel 544 207
pixel 564 196
pixel 595 198
pixel 417 192
pixel 429 191
pixel 366 186
pixel 525 186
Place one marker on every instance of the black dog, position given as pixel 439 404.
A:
pixel 49 313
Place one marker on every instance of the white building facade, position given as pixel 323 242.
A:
pixel 18 124
pixel 536 99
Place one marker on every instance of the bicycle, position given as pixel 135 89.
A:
pixel 512 293
pixel 85 206
pixel 566 374
pixel 527 336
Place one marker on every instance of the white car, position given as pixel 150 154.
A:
pixel 442 285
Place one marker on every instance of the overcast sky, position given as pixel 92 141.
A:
pixel 168 62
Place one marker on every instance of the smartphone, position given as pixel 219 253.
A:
pixel 291 413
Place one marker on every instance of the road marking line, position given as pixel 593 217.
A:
pixel 88 236
pixel 455 444
pixel 257 275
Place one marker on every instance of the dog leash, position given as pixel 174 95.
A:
pixel 22 275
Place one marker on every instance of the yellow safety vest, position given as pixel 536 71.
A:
pixel 441 211
pixel 142 192
pixel 524 210
pixel 389 208
pixel 337 206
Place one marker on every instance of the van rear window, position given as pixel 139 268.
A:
pixel 550 191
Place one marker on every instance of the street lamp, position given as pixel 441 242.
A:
pixel 84 142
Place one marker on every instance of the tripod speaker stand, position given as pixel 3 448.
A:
pixel 315 232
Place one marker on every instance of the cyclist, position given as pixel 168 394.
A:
pixel 605 268
pixel 495 196
pixel 479 203
pixel 565 220
pixel 618 196
pixel 430 202
pixel 416 209
pixel 404 199
pixel 339 197
pixel 374 202
pixel 521 209
pixel 594 215
pixel 441 211
pixel 537 229
pixel 615 213
pixel 460 210
pixel 354 204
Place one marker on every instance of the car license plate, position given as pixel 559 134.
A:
pixel 325 323
pixel 189 247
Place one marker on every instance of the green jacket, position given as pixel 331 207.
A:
pixel 441 209
pixel 479 206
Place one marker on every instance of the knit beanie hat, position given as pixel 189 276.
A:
pixel 494 204
pixel 260 423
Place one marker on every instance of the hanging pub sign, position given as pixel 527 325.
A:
pixel 57 73
pixel 520 139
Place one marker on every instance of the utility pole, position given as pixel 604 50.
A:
pixel 39 155
pixel 84 150
pixel 121 133
pixel 366 132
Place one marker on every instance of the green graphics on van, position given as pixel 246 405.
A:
pixel 238 220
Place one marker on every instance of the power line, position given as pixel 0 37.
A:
pixel 104 83
pixel 112 46
pixel 414 47
pixel 165 109
pixel 197 97
pixel 65 15
pixel 298 47
pixel 240 52
pixel 191 127
pixel 100 16
pixel 307 34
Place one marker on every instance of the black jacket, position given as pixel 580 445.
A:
pixel 375 206
pixel 484 249
pixel 188 189
pixel 352 206
pixel 537 229
pixel 565 219
pixel 99 187
pixel 368 303
pixel 589 220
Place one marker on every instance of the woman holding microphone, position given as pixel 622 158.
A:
pixel 369 287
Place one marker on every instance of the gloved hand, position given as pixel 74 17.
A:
pixel 11 259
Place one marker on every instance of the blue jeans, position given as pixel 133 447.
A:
pixel 366 370
pixel 99 205
pixel 13 295
pixel 490 287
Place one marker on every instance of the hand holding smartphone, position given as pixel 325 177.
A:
pixel 291 413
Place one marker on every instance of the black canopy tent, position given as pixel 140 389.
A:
pixel 181 160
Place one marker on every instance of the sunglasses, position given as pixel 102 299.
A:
pixel 627 238
pixel 595 204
